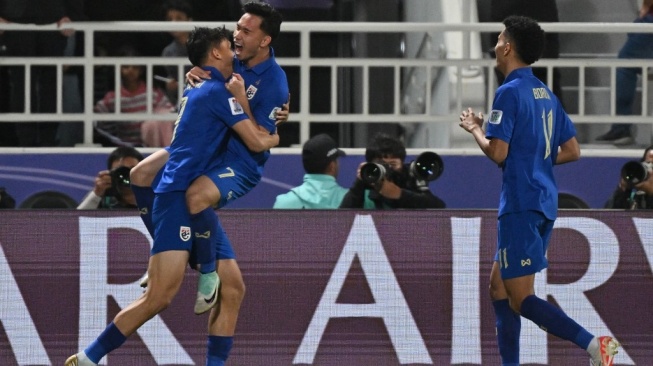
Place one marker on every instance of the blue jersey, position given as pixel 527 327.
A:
pixel 528 116
pixel 267 90
pixel 207 113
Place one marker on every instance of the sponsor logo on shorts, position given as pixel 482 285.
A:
pixel 184 233
pixel 525 262
pixel 495 117
pixel 205 235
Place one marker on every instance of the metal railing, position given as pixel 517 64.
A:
pixel 399 66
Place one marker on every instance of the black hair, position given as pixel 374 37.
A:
pixel 121 153
pixel 271 18
pixel 526 36
pixel 178 5
pixel 643 159
pixel 201 40
pixel 385 146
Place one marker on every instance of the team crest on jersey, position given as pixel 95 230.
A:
pixel 251 91
pixel 273 114
pixel 236 108
pixel 495 117
pixel 184 233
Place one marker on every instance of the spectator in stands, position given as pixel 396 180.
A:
pixel 176 11
pixel 542 11
pixel 320 190
pixel 112 186
pixel 638 45
pixel 637 196
pixel 133 99
pixel 43 78
pixel 398 188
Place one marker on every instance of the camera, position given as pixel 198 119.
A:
pixel 635 172
pixel 119 179
pixel 427 167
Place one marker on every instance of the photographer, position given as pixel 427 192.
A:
pixel 635 192
pixel 397 187
pixel 112 188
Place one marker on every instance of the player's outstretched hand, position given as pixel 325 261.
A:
pixel 197 74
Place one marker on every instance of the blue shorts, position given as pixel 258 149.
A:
pixel 232 182
pixel 171 222
pixel 523 239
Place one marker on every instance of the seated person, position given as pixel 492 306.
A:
pixel 398 188
pixel 320 189
pixel 176 11
pixel 112 186
pixel 133 99
pixel 635 196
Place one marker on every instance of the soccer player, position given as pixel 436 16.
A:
pixel 267 91
pixel 209 114
pixel 528 132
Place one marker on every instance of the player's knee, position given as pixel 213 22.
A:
pixel 157 303
pixel 496 292
pixel 196 201
pixel 233 293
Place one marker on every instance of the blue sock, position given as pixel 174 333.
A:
pixel 145 200
pixel 217 350
pixel 508 330
pixel 107 341
pixel 554 321
pixel 205 228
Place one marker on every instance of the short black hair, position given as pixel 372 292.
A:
pixel 385 146
pixel 271 18
pixel 643 159
pixel 526 36
pixel 201 40
pixel 121 153
pixel 178 5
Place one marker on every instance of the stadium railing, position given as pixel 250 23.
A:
pixel 400 67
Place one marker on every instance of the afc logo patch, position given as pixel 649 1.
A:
pixel 184 233
pixel 251 91
pixel 273 114
pixel 236 108
pixel 495 117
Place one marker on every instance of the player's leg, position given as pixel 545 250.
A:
pixel 141 177
pixel 526 250
pixel 223 317
pixel 508 322
pixel 166 272
pixel 204 224
pixel 202 196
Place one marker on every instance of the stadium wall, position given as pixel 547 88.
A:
pixel 352 288
pixel 468 181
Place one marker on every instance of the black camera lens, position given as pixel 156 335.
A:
pixel 372 173
pixel 428 166
pixel 120 176
pixel 634 172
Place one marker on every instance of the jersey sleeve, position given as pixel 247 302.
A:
pixel 502 118
pixel 566 129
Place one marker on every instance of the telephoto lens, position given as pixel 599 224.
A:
pixel 372 173
pixel 634 172
pixel 428 166
pixel 120 176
